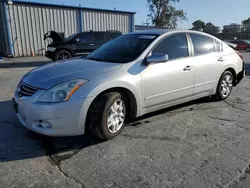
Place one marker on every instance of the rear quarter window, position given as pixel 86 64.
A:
pixel 218 46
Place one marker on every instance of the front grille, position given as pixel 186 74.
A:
pixel 26 90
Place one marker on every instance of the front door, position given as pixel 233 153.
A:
pixel 166 83
pixel 84 43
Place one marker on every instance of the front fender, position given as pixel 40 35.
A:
pixel 119 84
pixel 90 97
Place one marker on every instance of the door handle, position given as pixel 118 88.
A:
pixel 91 44
pixel 188 68
pixel 221 59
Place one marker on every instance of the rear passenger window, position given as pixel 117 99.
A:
pixel 111 36
pixel 174 46
pixel 202 44
pixel 99 36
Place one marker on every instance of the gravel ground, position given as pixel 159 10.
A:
pixel 198 144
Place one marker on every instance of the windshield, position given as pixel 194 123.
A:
pixel 70 37
pixel 123 49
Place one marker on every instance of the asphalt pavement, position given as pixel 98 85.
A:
pixel 198 144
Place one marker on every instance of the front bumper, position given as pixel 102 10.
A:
pixel 65 118
pixel 50 55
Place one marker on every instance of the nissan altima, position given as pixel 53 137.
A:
pixel 130 76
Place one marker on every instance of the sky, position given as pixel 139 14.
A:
pixel 219 12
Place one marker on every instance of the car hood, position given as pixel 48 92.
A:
pixel 52 74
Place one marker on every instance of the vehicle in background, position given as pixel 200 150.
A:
pixel 79 44
pixel 128 77
pixel 241 45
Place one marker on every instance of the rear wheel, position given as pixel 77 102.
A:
pixel 247 49
pixel 225 86
pixel 107 115
pixel 62 54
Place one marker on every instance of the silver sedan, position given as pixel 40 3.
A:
pixel 127 77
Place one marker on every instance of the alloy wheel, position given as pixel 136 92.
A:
pixel 226 86
pixel 116 116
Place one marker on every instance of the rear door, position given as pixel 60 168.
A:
pixel 208 61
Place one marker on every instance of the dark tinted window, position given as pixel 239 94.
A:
pixel 202 44
pixel 99 36
pixel 175 46
pixel 238 42
pixel 113 35
pixel 234 42
pixel 85 37
pixel 217 46
pixel 70 37
pixel 243 42
pixel 123 49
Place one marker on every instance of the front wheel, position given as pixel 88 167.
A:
pixel 107 115
pixel 247 49
pixel 62 54
pixel 225 86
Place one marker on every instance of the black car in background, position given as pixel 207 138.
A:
pixel 79 44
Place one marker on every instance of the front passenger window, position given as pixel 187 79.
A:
pixel 174 46
pixel 85 37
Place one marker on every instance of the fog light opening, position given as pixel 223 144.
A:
pixel 45 124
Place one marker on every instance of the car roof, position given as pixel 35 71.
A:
pixel 163 31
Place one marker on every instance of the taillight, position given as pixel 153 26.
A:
pixel 239 54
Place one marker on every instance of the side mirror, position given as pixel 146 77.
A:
pixel 77 39
pixel 157 58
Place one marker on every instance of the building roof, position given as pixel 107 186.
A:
pixel 154 31
pixel 145 27
pixel 67 6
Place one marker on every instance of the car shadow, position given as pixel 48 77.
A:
pixel 247 69
pixel 143 119
pixel 18 143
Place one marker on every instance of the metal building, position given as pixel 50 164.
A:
pixel 23 24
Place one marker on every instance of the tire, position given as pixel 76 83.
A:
pixel 62 54
pixel 99 113
pixel 247 49
pixel 225 84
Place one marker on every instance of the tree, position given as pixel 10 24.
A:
pixel 198 25
pixel 164 14
pixel 209 24
pixel 246 22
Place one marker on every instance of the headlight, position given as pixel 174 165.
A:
pixel 62 92
pixel 51 49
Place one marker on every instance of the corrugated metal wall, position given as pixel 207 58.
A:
pixel 29 23
pixel 3 40
pixel 102 21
